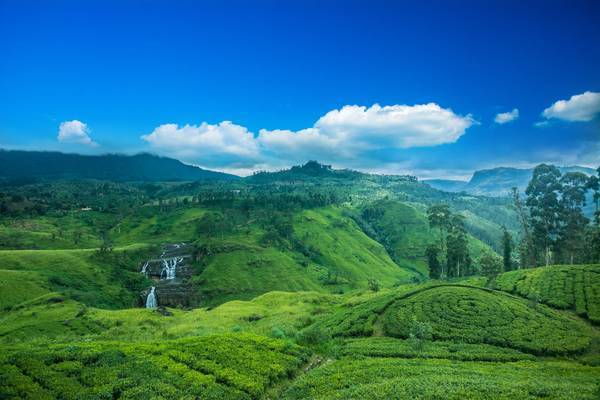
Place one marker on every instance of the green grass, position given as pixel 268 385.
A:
pixel 110 280
pixel 151 225
pixel 385 378
pixel 346 250
pixel 212 367
pixel 475 315
pixel 62 230
pixel 46 318
pixel 344 258
pixel 567 287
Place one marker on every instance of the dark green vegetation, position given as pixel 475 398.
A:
pixel 305 283
pixel 27 165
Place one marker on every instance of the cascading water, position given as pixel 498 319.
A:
pixel 151 299
pixel 144 267
pixel 170 267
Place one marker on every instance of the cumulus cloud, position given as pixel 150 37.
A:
pixel 221 144
pixel 75 132
pixel 580 107
pixel 506 117
pixel 354 133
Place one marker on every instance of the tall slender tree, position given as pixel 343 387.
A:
pixel 435 269
pixel 507 248
pixel 573 223
pixel 457 257
pixel 439 218
pixel 543 200
pixel 526 247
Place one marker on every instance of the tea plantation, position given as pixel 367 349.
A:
pixel 385 378
pixel 475 315
pixel 210 367
pixel 568 287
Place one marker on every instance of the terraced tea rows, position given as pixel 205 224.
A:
pixel 475 315
pixel 397 348
pixel 568 287
pixel 212 367
pixel 386 378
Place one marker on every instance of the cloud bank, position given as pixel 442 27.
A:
pixel 75 132
pixel 506 117
pixel 580 107
pixel 352 135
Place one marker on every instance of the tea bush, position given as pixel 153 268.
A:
pixel 568 287
pixel 212 367
pixel 475 315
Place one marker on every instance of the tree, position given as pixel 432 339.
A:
pixel 491 264
pixel 543 200
pixel 439 218
pixel 593 184
pixel 457 254
pixel 374 285
pixel 507 248
pixel 573 223
pixel 526 247
pixel 435 269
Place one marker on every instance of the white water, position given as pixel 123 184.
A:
pixel 144 268
pixel 151 299
pixel 170 267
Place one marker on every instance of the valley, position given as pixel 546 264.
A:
pixel 308 283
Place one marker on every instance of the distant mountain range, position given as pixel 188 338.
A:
pixel 17 164
pixel 496 182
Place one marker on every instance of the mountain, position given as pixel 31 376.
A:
pixel 17 164
pixel 496 182
pixel 447 185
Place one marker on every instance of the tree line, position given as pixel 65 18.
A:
pixel 554 227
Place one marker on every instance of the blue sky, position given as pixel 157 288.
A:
pixel 393 87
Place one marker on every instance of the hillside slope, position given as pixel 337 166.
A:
pixel 17 164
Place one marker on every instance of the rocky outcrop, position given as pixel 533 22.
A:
pixel 171 272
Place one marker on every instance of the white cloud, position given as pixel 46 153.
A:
pixel 75 132
pixel 506 117
pixel 213 145
pixel 580 107
pixel 352 135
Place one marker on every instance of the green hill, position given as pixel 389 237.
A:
pixel 27 165
pixel 574 287
pixel 329 252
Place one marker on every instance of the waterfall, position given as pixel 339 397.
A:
pixel 169 267
pixel 144 268
pixel 151 299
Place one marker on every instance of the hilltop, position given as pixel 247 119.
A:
pixel 497 182
pixel 49 165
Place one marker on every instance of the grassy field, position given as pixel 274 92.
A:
pixel 51 318
pixel 102 280
pixel 567 287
